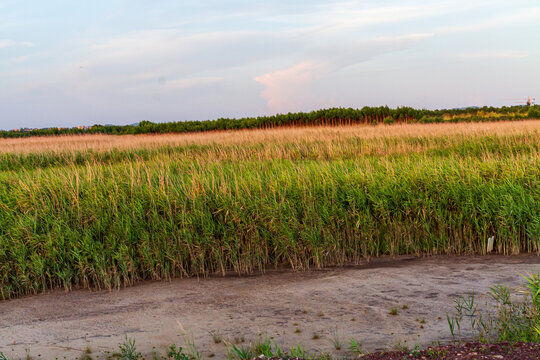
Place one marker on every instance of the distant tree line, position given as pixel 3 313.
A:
pixel 332 116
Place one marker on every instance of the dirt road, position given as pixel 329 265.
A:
pixel 353 302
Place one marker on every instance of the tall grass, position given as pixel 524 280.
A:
pixel 296 148
pixel 115 217
pixel 99 143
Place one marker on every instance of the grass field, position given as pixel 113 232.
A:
pixel 104 211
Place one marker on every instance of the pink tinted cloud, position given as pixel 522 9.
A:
pixel 288 89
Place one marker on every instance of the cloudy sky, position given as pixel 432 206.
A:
pixel 67 63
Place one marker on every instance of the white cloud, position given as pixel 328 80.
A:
pixel 163 45
pixel 163 85
pixel 284 90
pixel 493 55
pixel 187 83
pixel 348 16
pixel 5 43
pixel 353 15
pixel 290 89
pixel 175 60
pixel 522 16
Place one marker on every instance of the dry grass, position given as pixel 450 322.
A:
pixel 70 143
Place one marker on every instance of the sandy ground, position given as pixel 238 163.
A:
pixel 353 302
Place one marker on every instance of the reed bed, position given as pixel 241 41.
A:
pixel 106 216
pixel 100 142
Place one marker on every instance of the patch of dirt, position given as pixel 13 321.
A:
pixel 468 351
pixel 287 306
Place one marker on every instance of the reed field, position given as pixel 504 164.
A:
pixel 107 211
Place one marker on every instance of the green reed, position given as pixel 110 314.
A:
pixel 116 218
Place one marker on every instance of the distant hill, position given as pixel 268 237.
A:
pixel 467 107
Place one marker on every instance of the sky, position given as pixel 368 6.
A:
pixel 69 63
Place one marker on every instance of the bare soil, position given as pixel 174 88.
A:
pixel 289 306
pixel 467 351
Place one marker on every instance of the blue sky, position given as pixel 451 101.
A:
pixel 68 63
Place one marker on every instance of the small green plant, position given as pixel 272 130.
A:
pixel 405 307
pixel 177 354
pixel 191 348
pixel 452 325
pixel 335 339
pixel 277 350
pixel 402 346
pixel 128 350
pixel 266 349
pixel 513 319
pixel 393 311
pixel 297 330
pixel 516 320
pixel 316 336
pixel 298 352
pixel 465 307
pixel 241 352
pixel 533 288
pixel 416 350
pixel 355 347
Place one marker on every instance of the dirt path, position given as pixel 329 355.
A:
pixel 356 301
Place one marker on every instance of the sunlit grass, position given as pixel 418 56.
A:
pixel 108 218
